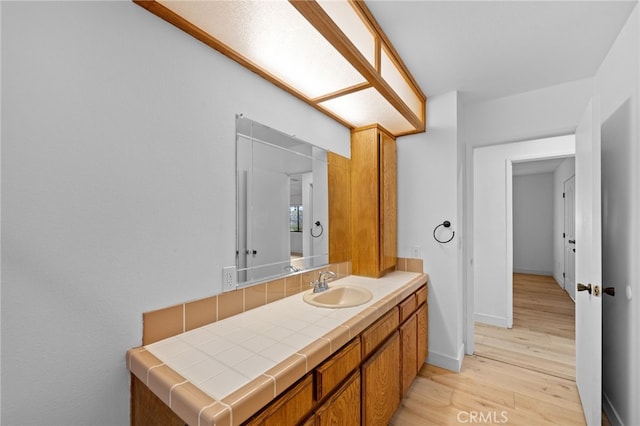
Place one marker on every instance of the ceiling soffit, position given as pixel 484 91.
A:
pixel 331 54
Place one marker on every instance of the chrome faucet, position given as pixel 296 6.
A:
pixel 291 268
pixel 320 284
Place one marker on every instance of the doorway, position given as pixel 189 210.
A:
pixel 490 255
pixel 541 336
pixel 542 333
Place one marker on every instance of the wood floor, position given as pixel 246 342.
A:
pixel 543 334
pixel 521 376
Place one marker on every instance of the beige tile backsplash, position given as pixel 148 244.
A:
pixel 171 321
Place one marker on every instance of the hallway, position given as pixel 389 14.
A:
pixel 521 376
pixel 543 334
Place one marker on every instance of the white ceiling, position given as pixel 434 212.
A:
pixel 536 167
pixel 491 49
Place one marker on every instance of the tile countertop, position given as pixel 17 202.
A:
pixel 222 373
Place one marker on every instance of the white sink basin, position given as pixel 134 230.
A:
pixel 343 296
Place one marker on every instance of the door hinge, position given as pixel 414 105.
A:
pixel 564 275
pixel 563 194
pixel 564 235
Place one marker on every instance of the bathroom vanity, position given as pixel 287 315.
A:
pixel 289 362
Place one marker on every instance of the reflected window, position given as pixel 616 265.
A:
pixel 295 218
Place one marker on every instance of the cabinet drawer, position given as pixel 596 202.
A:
pixel 373 336
pixel 421 295
pixel 343 408
pixel 290 408
pixel 407 307
pixel 333 371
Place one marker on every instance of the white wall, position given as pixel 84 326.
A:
pixel 533 230
pixel 565 170
pixel 492 221
pixel 617 89
pixel 551 111
pixel 117 193
pixel 428 195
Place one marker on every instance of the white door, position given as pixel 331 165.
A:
pixel 589 265
pixel 270 244
pixel 569 236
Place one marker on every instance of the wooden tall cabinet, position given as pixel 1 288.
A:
pixel 374 226
pixel 339 177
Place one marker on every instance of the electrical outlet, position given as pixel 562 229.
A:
pixel 228 278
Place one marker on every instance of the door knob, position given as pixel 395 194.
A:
pixel 582 287
pixel 611 291
pixel 595 289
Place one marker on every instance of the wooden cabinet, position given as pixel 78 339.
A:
pixel 377 332
pixel 149 410
pixel 337 368
pixel 290 408
pixel 413 337
pixel 343 408
pixel 409 353
pixel 362 383
pixel 381 384
pixel 373 201
pixel 423 334
pixel 339 177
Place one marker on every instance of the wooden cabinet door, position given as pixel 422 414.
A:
pixel 422 316
pixel 339 176
pixel 381 384
pixel 365 211
pixel 374 202
pixel 343 408
pixel 388 202
pixel 408 353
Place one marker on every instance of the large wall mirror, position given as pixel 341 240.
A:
pixel 282 207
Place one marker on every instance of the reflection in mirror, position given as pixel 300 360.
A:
pixel 282 209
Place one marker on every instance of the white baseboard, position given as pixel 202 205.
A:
pixel 492 320
pixel 612 414
pixel 447 362
pixel 519 270
pixel 559 280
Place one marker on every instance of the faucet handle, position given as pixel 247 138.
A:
pixel 324 274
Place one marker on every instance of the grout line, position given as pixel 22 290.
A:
pixel 215 401
pixel 306 361
pixel 151 368
pixel 273 379
pixel 230 410
pixel 173 387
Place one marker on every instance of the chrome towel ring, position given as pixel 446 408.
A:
pixel 446 224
